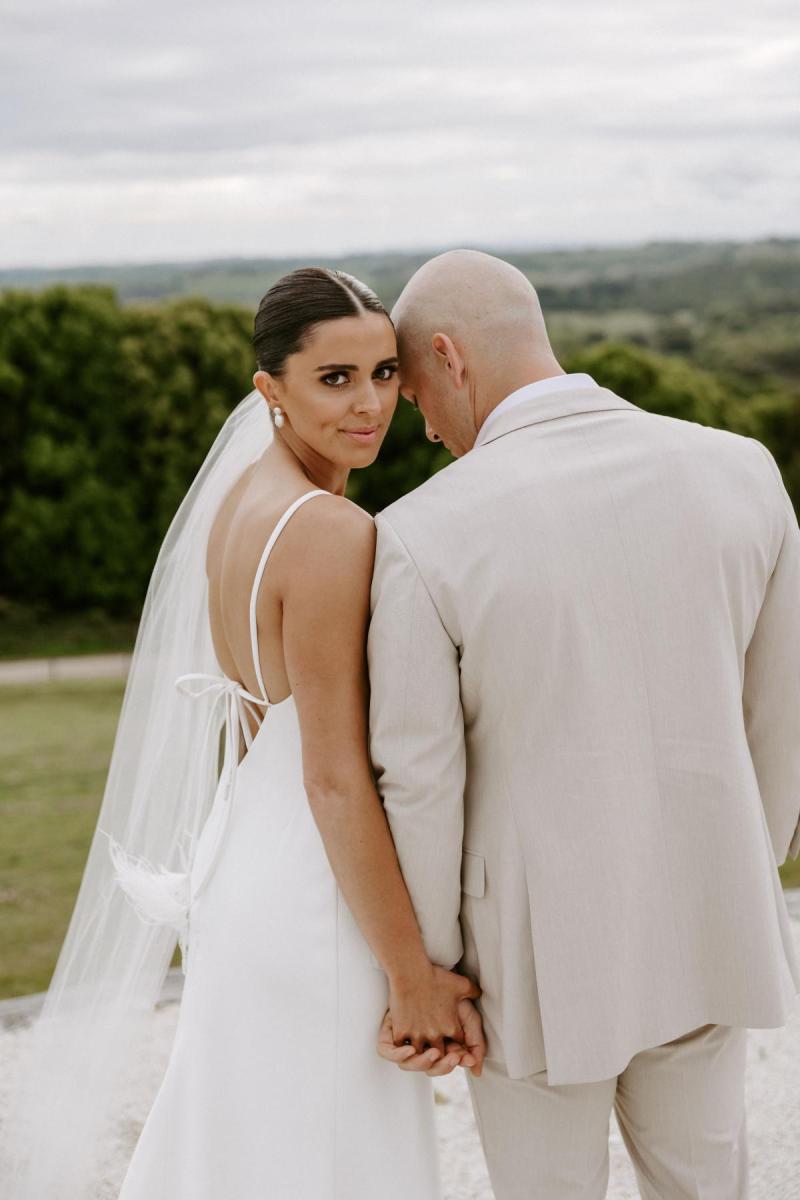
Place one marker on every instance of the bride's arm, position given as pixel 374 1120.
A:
pixel 326 601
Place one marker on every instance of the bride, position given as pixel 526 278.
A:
pixel 276 871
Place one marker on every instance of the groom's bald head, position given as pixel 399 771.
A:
pixel 470 330
pixel 473 295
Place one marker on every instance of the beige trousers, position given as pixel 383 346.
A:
pixel 680 1109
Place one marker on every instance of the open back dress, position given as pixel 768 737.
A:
pixel 274 1089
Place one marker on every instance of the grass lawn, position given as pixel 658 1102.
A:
pixel 55 745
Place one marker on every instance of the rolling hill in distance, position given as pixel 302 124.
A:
pixel 657 277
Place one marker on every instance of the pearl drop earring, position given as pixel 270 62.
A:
pixel 277 416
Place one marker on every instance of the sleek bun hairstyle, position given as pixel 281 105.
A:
pixel 298 302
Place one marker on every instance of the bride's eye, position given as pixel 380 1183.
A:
pixel 334 375
pixel 391 371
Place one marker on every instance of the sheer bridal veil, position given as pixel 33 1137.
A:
pixel 83 1048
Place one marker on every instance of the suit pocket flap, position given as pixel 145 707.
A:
pixel 473 873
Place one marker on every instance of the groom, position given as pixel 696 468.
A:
pixel 584 659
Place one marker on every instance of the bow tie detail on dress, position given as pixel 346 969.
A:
pixel 238 702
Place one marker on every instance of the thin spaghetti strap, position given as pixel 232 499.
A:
pixel 257 581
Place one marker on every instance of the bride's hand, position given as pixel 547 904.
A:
pixel 470 1055
pixel 425 1008
pixel 455 1054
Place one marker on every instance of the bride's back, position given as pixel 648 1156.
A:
pixel 236 542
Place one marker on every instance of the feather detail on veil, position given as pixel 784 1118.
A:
pixel 159 896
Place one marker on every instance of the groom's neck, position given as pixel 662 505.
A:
pixel 495 390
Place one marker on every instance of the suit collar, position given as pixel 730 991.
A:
pixel 551 405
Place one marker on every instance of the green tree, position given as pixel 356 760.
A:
pixel 107 413
pixel 669 386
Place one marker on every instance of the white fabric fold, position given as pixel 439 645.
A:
pixel 163 896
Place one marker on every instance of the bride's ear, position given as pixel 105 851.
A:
pixel 262 381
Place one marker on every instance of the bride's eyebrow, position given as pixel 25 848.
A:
pixel 385 362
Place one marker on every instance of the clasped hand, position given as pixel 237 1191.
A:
pixel 432 1025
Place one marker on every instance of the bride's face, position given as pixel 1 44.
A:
pixel 338 394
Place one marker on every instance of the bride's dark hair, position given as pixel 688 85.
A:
pixel 299 301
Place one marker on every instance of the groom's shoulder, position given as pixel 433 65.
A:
pixel 436 496
pixel 726 445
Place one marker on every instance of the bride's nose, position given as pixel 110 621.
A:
pixel 368 400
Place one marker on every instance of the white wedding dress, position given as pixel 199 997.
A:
pixel 274 1089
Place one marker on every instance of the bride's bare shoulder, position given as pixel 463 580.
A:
pixel 325 583
pixel 332 528
pixel 337 512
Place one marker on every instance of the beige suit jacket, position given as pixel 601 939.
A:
pixel 584 657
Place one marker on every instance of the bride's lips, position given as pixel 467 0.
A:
pixel 362 436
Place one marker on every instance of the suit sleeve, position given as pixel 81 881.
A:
pixel 771 691
pixel 417 740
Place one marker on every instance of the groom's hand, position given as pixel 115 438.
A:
pixel 425 1008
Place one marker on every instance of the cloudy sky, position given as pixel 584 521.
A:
pixel 179 130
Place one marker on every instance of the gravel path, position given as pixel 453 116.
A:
pixel 72 666
pixel 773 1095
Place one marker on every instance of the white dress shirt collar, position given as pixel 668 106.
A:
pixel 555 383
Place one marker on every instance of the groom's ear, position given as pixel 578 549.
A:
pixel 450 356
